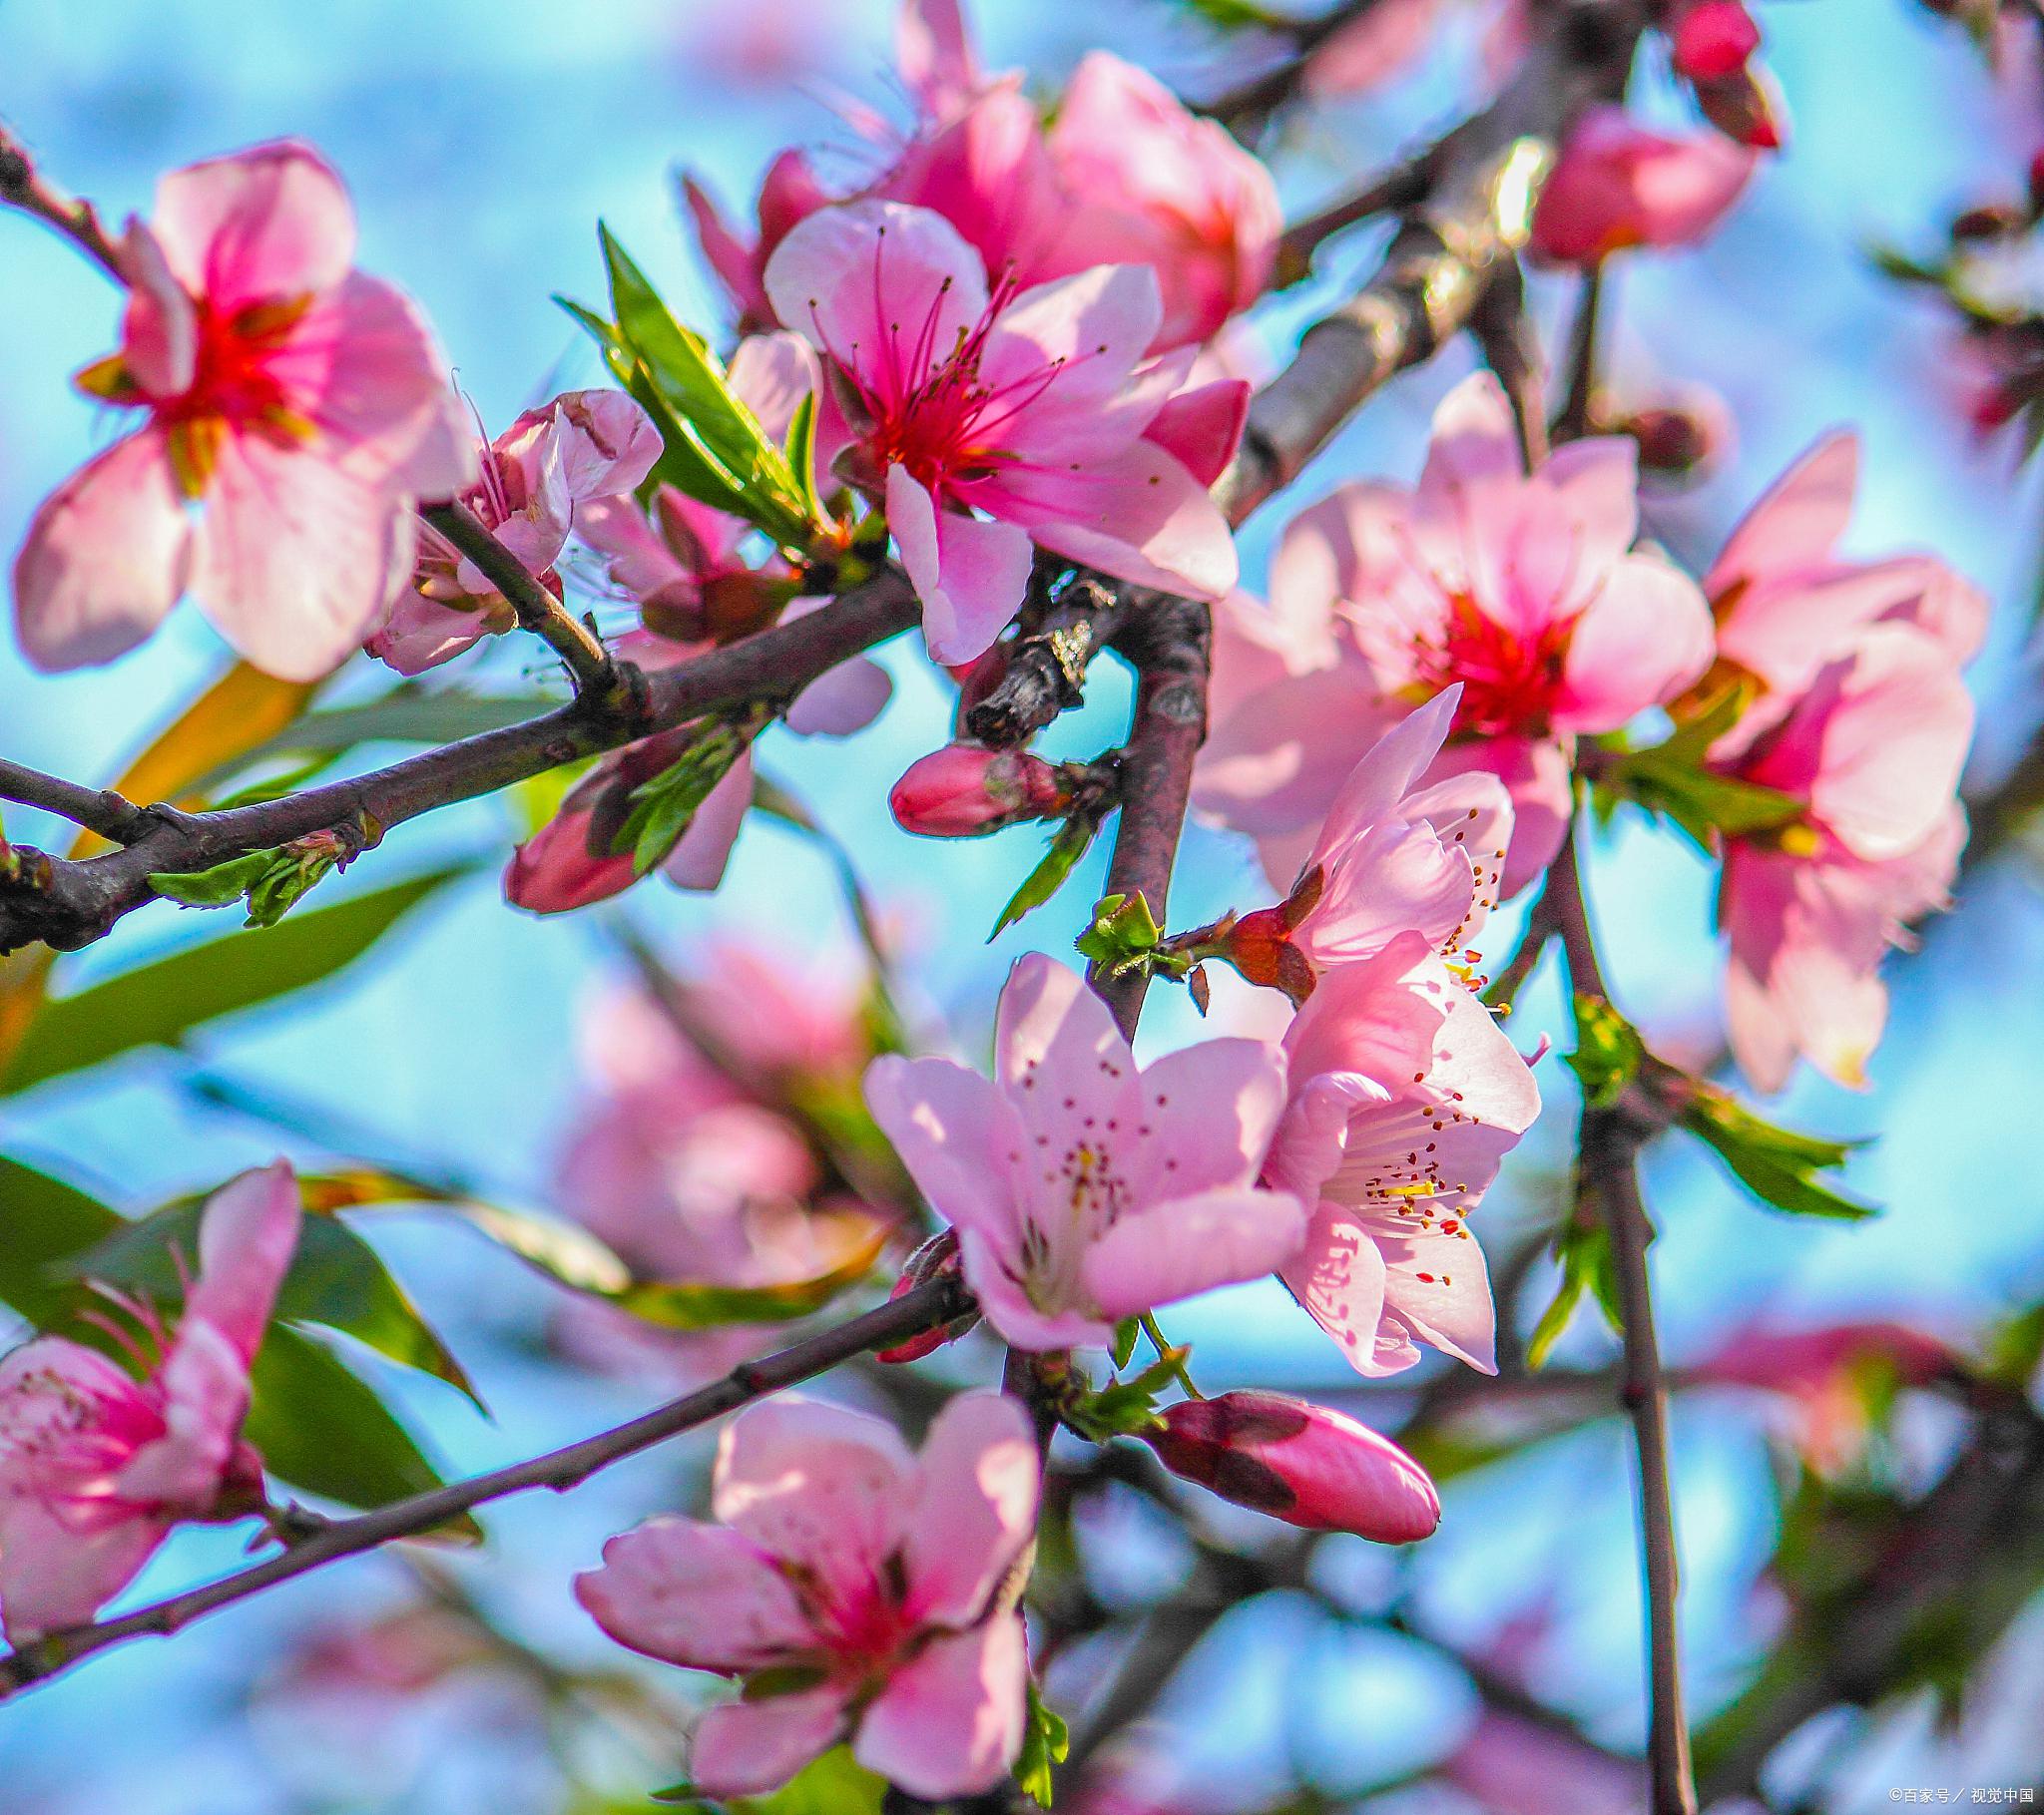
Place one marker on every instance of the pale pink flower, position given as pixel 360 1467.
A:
pixel 553 461
pixel 986 423
pixel 96 1466
pixel 1084 1191
pixel 1523 589
pixel 1391 857
pixel 1787 601
pixel 1512 1766
pixel 1405 1098
pixel 296 409
pixel 1305 1464
pixel 1616 184
pixel 1874 750
pixel 868 1580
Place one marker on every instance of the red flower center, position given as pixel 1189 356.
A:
pixel 1509 681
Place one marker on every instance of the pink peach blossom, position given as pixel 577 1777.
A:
pixel 790 192
pixel 295 408
pixel 1405 1098
pixel 1394 857
pixel 96 1467
pixel 1617 184
pixel 868 1580
pixel 1788 602
pixel 1304 1464
pixel 1874 750
pixel 1523 589
pixel 1513 1766
pixel 582 446
pixel 1029 408
pixel 1084 1191
pixel 1153 183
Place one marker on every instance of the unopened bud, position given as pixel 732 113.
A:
pixel 1712 40
pixel 1674 440
pixel 2036 184
pixel 937 1258
pixel 1745 107
pixel 1300 1463
pixel 1992 221
pixel 963 790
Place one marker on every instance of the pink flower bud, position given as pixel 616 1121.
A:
pixel 963 790
pixel 1676 439
pixel 1617 184
pixel 1713 39
pixel 1302 1462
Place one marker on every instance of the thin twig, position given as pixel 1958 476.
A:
pixel 1579 407
pixel 538 609
pixel 925 1307
pixel 1397 188
pixel 25 188
pixel 1608 1157
pixel 99 810
pixel 1511 349
pixel 1247 108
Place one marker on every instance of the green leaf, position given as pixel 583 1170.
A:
pixel 1609 1051
pixel 575 1259
pixel 713 423
pixel 42 1222
pixel 1583 1248
pixel 1049 875
pixel 1125 1334
pixel 800 451
pixel 322 1429
pixel 335 1280
pixel 664 807
pixel 1779 1165
pixel 1674 779
pixel 220 886
pixel 1046 1741
pixel 161 1004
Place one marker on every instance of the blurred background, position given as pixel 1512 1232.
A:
pixel 482 143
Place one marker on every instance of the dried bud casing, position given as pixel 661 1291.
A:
pixel 937 1258
pixel 1300 1463
pixel 964 791
pixel 1745 107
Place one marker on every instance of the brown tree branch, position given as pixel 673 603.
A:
pixel 99 810
pixel 1608 1175
pixel 925 1307
pixel 539 611
pixel 25 188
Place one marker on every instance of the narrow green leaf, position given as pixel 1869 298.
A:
pixel 1049 875
pixel 1779 1165
pixel 43 1221
pixel 664 807
pixel 1587 1265
pixel 408 714
pixel 1125 1334
pixel 1609 1051
pixel 161 1004
pixel 799 452
pixel 220 886
pixel 1046 1741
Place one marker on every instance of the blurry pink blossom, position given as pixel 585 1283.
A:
pixel 1511 1766
pixel 96 1467
pixel 1405 1098
pixel 1617 184
pixel 1034 409
pixel 1084 1191
pixel 855 1587
pixel 536 475
pixel 296 409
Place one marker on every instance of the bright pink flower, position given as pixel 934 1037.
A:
pixel 1616 184
pixel 582 446
pixel 1030 409
pixel 295 410
pixel 1304 1464
pixel 1405 1098
pixel 1084 1191
pixel 866 1579
pixel 965 789
pixel 1874 750
pixel 1149 183
pixel 96 1467
pixel 1511 1766
pixel 790 192
pixel 1523 590
pixel 1787 602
